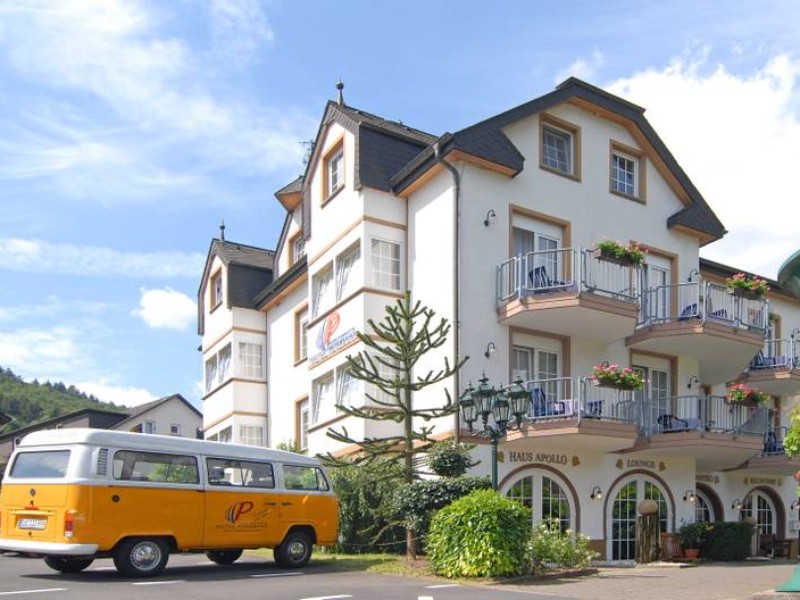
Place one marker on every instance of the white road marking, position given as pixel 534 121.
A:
pixel 278 575
pixel 437 587
pixel 33 591
pixel 427 597
pixel 159 582
pixel 102 569
pixel 330 597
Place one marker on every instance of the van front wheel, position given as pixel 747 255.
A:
pixel 294 551
pixel 224 557
pixel 67 565
pixel 141 557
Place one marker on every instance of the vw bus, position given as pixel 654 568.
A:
pixel 73 495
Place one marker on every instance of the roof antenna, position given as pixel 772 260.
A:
pixel 222 231
pixel 340 87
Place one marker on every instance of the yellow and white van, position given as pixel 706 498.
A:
pixel 73 495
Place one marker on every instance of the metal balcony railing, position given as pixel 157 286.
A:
pixel 773 441
pixel 777 354
pixel 565 269
pixel 702 413
pixel 705 301
pixel 579 398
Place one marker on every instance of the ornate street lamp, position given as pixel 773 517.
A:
pixel 507 407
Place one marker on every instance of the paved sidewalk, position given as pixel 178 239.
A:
pixel 709 581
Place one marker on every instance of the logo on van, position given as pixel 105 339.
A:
pixel 236 510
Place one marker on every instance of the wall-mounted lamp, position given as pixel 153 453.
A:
pixel 692 273
pixel 688 496
pixel 490 349
pixel 597 493
pixel 737 504
pixel 692 380
pixel 489 215
pixel 795 332
pixel 794 505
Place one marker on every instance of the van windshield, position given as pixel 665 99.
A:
pixel 51 464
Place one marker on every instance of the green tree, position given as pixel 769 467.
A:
pixel 394 347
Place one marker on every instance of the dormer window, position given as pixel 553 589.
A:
pixel 333 175
pixel 215 299
pixel 627 172
pixel 298 247
pixel 559 147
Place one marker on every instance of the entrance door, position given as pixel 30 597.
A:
pixel 546 496
pixel 760 506
pixel 622 514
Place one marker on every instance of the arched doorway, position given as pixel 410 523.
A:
pixel 707 507
pixel 761 506
pixel 546 494
pixel 621 513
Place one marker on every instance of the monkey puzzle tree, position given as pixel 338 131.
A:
pixel 389 367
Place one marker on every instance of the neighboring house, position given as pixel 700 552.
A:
pixel 496 227
pixel 171 415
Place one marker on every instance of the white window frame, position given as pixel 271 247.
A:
pixel 149 427
pixel 251 361
pixel 622 166
pixel 224 359
pixel 225 435
pixel 211 373
pixel 323 399
pixel 175 429
pixel 347 271
pixel 347 387
pixel 323 290
pixel 251 435
pixel 335 168
pixel 551 133
pixel 304 422
pixel 298 247
pixel 302 335
pixel 216 289
pixel 385 269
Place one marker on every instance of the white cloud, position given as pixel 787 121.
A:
pixel 582 68
pixel 737 137
pixel 37 256
pixel 239 27
pixel 48 353
pixel 53 306
pixel 166 309
pixel 126 396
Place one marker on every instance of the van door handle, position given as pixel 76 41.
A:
pixel 286 503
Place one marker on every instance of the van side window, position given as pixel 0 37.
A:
pixel 222 471
pixel 296 477
pixel 51 464
pixel 132 465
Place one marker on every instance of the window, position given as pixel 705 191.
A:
pixel 296 477
pixel 226 435
pixel 302 424
pixel 250 362
pixel 224 363
pixel 247 473
pixel 333 175
pixel 348 387
pixel 626 171
pixel 216 290
pixel 301 335
pixel 323 400
pixel 211 372
pixel 560 145
pixel 386 372
pixel 251 435
pixel 48 464
pixel 347 276
pixel 298 247
pixel 322 287
pixel 174 429
pixel 149 427
pixel 385 267
pixel 155 467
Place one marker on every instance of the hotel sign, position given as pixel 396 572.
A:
pixel 536 457
pixel 636 463
pixel 329 337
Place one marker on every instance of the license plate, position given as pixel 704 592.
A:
pixel 38 524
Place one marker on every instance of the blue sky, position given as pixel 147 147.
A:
pixel 130 128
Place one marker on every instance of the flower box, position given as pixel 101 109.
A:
pixel 631 255
pixel 746 286
pixel 747 293
pixel 745 396
pixel 623 260
pixel 620 378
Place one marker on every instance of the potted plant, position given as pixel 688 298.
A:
pixel 747 286
pixel 622 378
pixel 632 254
pixel 692 536
pixel 742 394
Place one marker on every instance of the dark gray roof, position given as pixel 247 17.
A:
pixel 135 412
pixel 723 270
pixel 242 254
pixel 486 140
pixel 280 284
pixel 396 128
pixel 100 419
pixel 295 186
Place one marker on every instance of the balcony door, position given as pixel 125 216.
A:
pixel 537 245
pixel 537 367
pixel 654 398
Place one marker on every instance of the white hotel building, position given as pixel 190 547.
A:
pixel 495 227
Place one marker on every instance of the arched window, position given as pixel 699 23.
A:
pixel 546 495
pixel 759 505
pixel 703 508
pixel 623 513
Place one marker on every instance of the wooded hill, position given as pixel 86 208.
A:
pixel 28 403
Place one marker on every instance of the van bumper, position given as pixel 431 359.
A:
pixel 48 548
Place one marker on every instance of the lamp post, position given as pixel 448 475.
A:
pixel 507 407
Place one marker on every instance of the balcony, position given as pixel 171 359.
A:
pixel 704 320
pixel 716 434
pixel 568 292
pixel 772 460
pixel 775 369
pixel 572 413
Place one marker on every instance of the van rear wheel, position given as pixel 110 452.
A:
pixel 67 565
pixel 224 557
pixel 294 551
pixel 141 557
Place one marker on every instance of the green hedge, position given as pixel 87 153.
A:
pixel 483 534
pixel 727 541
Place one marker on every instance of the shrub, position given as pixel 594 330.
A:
pixel 551 547
pixel 694 535
pixel 448 459
pixel 482 534
pixel 366 512
pixel 727 541
pixel 416 502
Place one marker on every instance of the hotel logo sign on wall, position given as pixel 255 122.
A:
pixel 329 338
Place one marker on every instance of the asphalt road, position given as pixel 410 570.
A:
pixel 193 576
